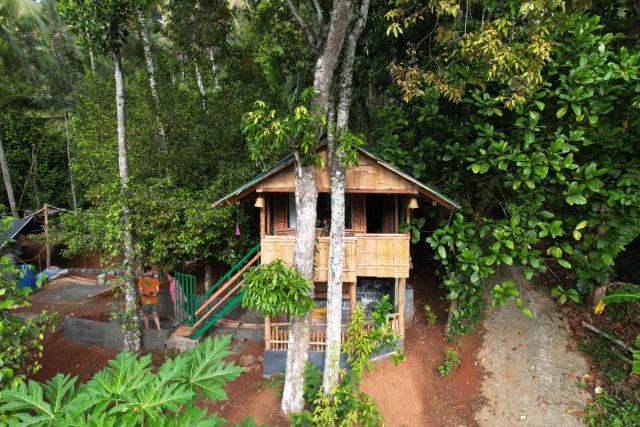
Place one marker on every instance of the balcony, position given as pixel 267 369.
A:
pixel 365 255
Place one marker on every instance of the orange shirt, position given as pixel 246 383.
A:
pixel 148 284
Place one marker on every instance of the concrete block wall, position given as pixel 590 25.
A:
pixel 109 334
pixel 275 361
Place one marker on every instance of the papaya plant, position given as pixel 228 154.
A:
pixel 128 392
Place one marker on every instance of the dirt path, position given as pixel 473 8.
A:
pixel 531 376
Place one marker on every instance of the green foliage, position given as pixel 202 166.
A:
pixel 170 226
pixel 612 411
pixel 565 295
pixel 20 339
pixel 270 136
pixel 543 187
pixel 451 361
pixel 106 23
pixel 35 155
pixel 128 392
pixel 628 293
pixel 312 381
pixel 347 405
pixel 604 358
pixel 275 288
pixel 414 227
pixel 430 315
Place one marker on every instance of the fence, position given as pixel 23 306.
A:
pixel 185 297
pixel 278 338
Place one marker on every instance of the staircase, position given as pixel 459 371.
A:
pixel 204 311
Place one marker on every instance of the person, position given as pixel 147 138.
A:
pixel 148 286
pixel 173 291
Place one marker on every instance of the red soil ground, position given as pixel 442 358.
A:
pixel 64 356
pixel 411 394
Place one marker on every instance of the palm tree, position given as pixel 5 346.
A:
pixel 12 13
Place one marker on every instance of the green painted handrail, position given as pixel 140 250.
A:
pixel 236 267
pixel 186 304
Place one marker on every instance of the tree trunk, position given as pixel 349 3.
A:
pixel 131 328
pixel 6 175
pixel 208 274
pixel 300 330
pixel 335 264
pixel 74 200
pixel 200 85
pixel 214 67
pixel 328 53
pixel 146 46
pixel 337 174
pixel 91 60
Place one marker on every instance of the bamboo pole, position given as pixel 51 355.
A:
pixel 46 234
pixel 352 298
pixel 267 332
pixel 401 288
pixel 262 222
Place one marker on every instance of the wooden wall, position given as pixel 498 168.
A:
pixel 381 255
pixel 282 247
pixel 366 177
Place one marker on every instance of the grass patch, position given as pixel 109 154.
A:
pixel 604 359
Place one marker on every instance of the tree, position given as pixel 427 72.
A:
pixel 107 23
pixel 340 153
pixel 327 51
pixel 148 58
pixel 11 12
pixel 20 339
pixel 6 176
pixel 530 153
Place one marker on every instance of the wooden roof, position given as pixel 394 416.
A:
pixel 370 175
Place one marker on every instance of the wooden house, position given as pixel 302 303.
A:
pixel 379 198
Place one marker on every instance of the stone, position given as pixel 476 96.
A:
pixel 247 360
pixel 180 344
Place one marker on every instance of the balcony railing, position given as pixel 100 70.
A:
pixel 278 334
pixel 365 255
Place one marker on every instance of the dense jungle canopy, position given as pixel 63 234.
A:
pixel 527 112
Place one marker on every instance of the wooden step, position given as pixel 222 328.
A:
pixel 183 331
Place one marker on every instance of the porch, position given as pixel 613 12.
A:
pixel 277 333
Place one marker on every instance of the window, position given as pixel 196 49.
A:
pixel 381 214
pixel 293 219
pixel 323 211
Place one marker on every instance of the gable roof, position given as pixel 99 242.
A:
pixel 424 189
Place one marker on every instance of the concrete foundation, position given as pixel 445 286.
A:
pixel 275 361
pixel 109 334
pixel 408 306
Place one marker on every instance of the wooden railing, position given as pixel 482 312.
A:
pixel 365 255
pixel 278 338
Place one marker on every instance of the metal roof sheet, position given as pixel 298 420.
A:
pixel 425 189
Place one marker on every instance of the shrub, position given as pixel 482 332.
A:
pixel 451 361
pixel 275 288
pixel 347 404
pixel 20 339
pixel 612 411
pixel 128 392
pixel 430 315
